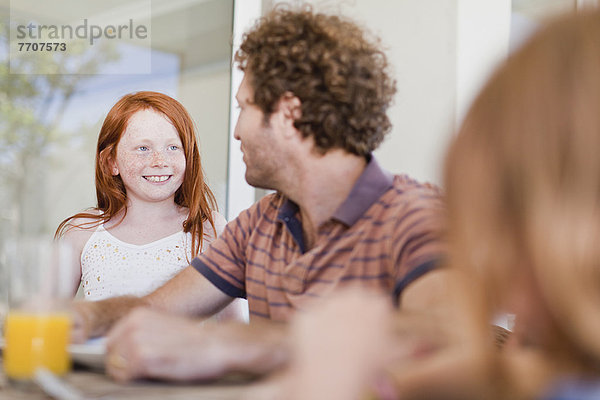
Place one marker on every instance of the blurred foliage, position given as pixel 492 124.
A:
pixel 32 107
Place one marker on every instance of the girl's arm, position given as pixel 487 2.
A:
pixel 76 238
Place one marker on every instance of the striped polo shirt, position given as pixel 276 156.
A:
pixel 386 234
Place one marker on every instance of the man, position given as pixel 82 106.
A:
pixel 313 108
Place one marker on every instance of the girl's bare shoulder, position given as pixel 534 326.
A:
pixel 79 230
pixel 219 221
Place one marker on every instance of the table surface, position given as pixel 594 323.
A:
pixel 96 385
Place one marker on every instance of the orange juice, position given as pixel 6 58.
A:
pixel 36 340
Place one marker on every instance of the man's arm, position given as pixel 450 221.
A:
pixel 155 345
pixel 429 293
pixel 188 293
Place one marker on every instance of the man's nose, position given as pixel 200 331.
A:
pixel 236 133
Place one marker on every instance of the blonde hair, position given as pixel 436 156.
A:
pixel 523 185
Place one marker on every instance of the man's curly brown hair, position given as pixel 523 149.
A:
pixel 339 74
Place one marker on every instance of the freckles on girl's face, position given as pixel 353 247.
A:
pixel 150 157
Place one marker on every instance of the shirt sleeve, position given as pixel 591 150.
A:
pixel 224 261
pixel 418 245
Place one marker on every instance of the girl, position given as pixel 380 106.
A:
pixel 155 211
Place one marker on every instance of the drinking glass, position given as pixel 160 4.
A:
pixel 37 326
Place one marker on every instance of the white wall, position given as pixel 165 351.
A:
pixel 483 36
pixel 422 39
pixel 240 195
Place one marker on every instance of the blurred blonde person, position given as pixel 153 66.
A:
pixel 523 191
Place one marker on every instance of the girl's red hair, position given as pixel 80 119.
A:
pixel 194 193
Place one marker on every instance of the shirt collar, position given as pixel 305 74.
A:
pixel 368 188
pixel 288 210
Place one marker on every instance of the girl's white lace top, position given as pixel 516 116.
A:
pixel 111 267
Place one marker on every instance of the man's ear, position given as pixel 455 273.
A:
pixel 290 107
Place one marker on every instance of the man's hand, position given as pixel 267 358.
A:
pixel 80 329
pixel 150 344
pixel 94 318
pixel 343 347
pixel 340 346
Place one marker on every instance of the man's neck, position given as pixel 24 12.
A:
pixel 321 185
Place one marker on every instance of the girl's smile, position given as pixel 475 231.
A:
pixel 157 178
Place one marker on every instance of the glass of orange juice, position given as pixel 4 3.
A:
pixel 37 326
